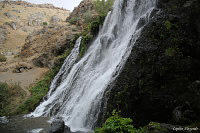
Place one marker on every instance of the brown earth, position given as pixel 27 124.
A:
pixel 18 37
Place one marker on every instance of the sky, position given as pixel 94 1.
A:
pixel 67 4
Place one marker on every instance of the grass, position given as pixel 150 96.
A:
pixel 10 96
pixel 41 88
pixel 38 91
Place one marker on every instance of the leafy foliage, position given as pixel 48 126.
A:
pixel 45 23
pixel 84 43
pixel 116 124
pixel 38 91
pixel 74 20
pixel 9 93
pixel 87 17
pixel 102 6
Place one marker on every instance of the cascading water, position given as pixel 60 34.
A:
pixel 76 92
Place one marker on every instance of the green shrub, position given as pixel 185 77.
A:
pixel 45 23
pixel 8 96
pixel 38 91
pixel 84 44
pixel 116 124
pixel 103 7
pixel 94 27
pixel 2 58
pixel 74 20
pixel 87 16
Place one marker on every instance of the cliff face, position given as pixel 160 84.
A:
pixel 161 78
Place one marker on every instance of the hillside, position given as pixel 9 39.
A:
pixel 31 37
pixel 35 39
pixel 23 23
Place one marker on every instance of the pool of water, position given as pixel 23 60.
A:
pixel 20 124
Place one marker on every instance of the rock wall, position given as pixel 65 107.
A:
pixel 161 79
pixel 84 9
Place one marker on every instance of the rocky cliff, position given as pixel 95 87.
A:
pixel 161 79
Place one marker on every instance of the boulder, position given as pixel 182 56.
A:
pixel 57 126
pixel 42 61
pixel 183 114
pixel 36 19
pixel 15 10
pixel 11 16
pixel 21 67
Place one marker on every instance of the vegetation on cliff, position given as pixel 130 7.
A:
pixel 117 124
pixel 164 69
pixel 9 96
pixel 40 89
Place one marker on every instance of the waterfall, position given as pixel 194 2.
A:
pixel 76 92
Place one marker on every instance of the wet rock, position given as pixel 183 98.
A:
pixel 141 22
pixel 161 75
pixel 67 129
pixel 57 126
pixel 183 114
pixel 153 12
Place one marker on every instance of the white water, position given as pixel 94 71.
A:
pixel 77 90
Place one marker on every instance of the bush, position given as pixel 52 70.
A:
pixel 103 7
pixel 45 23
pixel 2 58
pixel 116 124
pixel 94 27
pixel 87 16
pixel 84 44
pixel 74 20
pixel 10 95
